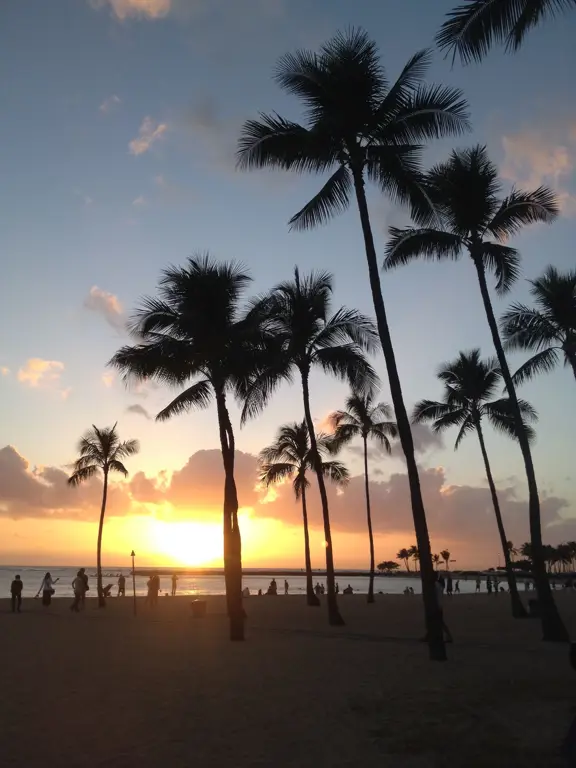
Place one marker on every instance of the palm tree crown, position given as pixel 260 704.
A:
pixel 356 122
pixel 101 451
pixel 364 418
pixel 472 28
pixel 470 383
pixel 549 329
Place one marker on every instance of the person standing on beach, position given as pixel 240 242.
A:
pixel 84 575
pixel 16 593
pixel 478 584
pixel 286 587
pixel 47 589
pixel 449 585
pixel 174 584
pixel 121 585
pixel 79 587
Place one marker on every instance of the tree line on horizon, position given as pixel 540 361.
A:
pixel 199 334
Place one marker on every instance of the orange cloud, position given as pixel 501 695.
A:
pixel 107 379
pixel 4 371
pixel 149 132
pixel 151 9
pixel 108 305
pixel 38 372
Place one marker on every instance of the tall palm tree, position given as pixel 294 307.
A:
pixel 298 317
pixel 472 27
pixel 470 385
pixel 101 451
pixel 549 330
pixel 404 554
pixel 474 219
pixel 445 555
pixel 368 420
pixel 290 457
pixel 195 334
pixel 414 553
pixel 359 127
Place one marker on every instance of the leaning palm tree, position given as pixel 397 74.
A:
pixel 404 554
pixel 297 316
pixel 445 555
pixel 360 127
pixel 290 457
pixel 472 28
pixel 368 420
pixel 101 451
pixel 549 330
pixel 470 385
pixel 195 335
pixel 474 219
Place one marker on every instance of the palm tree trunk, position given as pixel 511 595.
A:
pixel 232 540
pixel 311 598
pixel 99 587
pixel 433 614
pixel 518 610
pixel 369 521
pixel 553 628
pixel 334 615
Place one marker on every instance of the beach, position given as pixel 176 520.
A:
pixel 105 688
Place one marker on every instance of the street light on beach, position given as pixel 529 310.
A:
pixel 133 555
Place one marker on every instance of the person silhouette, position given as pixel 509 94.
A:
pixel 16 594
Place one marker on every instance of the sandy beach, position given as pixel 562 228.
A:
pixel 106 689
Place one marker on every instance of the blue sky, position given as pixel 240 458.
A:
pixel 116 159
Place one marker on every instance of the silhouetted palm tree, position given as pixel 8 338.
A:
pixel 436 559
pixel 526 550
pixel 306 335
pixel 415 555
pixel 473 219
pixel 549 330
pixel 404 554
pixel 360 127
pixel 101 451
pixel 367 420
pixel 512 550
pixel 472 28
pixel 290 457
pixel 445 555
pixel 195 331
pixel 470 383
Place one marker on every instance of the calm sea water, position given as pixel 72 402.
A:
pixel 201 585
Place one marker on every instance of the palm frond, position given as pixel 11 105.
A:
pixel 526 328
pixel 127 448
pixel 407 82
pixel 344 434
pixel 406 244
pixel 382 432
pixel 468 426
pixel 542 362
pixel 349 325
pixel 117 466
pixel 432 410
pixel 347 363
pixel 500 413
pixel 336 471
pixel 520 209
pixel 503 261
pixel 332 199
pixel 429 112
pixel 272 474
pixel 82 474
pixel 198 396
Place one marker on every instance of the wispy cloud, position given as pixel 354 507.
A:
pixel 108 305
pixel 4 371
pixel 122 9
pixel 108 379
pixel 139 202
pixel 37 372
pixel 150 131
pixel 139 410
pixel 109 104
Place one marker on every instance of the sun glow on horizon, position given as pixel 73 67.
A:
pixel 187 543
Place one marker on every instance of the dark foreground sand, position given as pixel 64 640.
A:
pixel 164 690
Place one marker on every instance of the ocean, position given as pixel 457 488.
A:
pixel 206 585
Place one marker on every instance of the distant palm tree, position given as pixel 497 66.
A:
pixel 361 127
pixel 297 316
pixel 470 383
pixel 415 555
pixel 526 550
pixel 436 559
pixel 368 420
pixel 445 555
pixel 549 330
pixel 471 28
pixel 512 550
pixel 388 566
pixel 290 457
pixel 404 554
pixel 473 219
pixel 196 332
pixel 101 451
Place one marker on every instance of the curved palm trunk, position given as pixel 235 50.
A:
pixel 433 614
pixel 99 587
pixel 518 610
pixel 231 530
pixel 311 598
pixel 553 628
pixel 369 520
pixel 334 615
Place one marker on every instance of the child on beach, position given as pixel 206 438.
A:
pixel 16 592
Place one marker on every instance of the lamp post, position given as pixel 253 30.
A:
pixel 133 555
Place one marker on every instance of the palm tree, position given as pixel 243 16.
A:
pixel 549 330
pixel 414 553
pixel 387 566
pixel 472 28
pixel 445 555
pixel 297 316
pixel 511 550
pixel 526 550
pixel 436 559
pixel 405 555
pixel 365 419
pixel 101 451
pixel 195 332
pixel 290 457
pixel 359 127
pixel 473 219
pixel 470 383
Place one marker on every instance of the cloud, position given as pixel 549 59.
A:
pixel 122 9
pixel 108 305
pixel 424 439
pixel 4 371
pixel 107 379
pixel 38 372
pixel 109 104
pixel 548 156
pixel 149 132
pixel 138 409
pixel 139 202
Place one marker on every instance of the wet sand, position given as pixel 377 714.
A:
pixel 164 690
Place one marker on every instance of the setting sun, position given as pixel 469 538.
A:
pixel 187 543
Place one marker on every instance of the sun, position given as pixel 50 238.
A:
pixel 191 544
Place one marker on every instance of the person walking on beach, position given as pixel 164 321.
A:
pixel 449 585
pixel 286 587
pixel 121 585
pixel 457 587
pixel 478 585
pixel 79 587
pixel 489 585
pixel 16 593
pixel 337 588
pixel 47 589
pixel 174 584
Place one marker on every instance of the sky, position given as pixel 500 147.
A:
pixel 117 143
